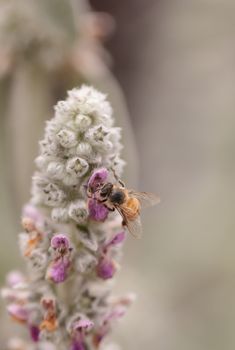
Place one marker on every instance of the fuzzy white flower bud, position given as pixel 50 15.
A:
pixel 78 211
pixel 83 122
pixel 66 138
pixel 56 170
pixel 77 167
pixel 99 137
pixel 41 161
pixel 37 263
pixel 65 110
pixel 53 195
pixel 60 215
pixel 84 149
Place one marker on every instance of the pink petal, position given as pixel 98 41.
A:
pixel 18 312
pixel 30 211
pixel 117 239
pixel 34 332
pixel 14 278
pixel 59 241
pixel 105 268
pixel 98 177
pixel 58 270
pixel 97 211
pixel 84 323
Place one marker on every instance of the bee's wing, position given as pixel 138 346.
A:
pixel 146 199
pixel 134 226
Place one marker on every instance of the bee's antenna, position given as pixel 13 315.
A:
pixel 117 178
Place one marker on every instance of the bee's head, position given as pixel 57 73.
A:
pixel 106 190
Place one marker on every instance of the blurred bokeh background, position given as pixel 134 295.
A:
pixel 174 61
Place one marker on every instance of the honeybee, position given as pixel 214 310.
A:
pixel 127 202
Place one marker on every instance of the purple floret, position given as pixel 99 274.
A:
pixel 58 271
pixel 98 177
pixel 97 211
pixel 34 332
pixel 105 268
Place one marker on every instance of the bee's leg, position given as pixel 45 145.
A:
pixel 110 208
pixel 103 200
pixel 124 223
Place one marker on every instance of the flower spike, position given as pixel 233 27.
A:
pixel 71 242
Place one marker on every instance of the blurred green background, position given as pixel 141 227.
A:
pixel 175 63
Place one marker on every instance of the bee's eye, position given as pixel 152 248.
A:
pixel 103 194
pixel 117 197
